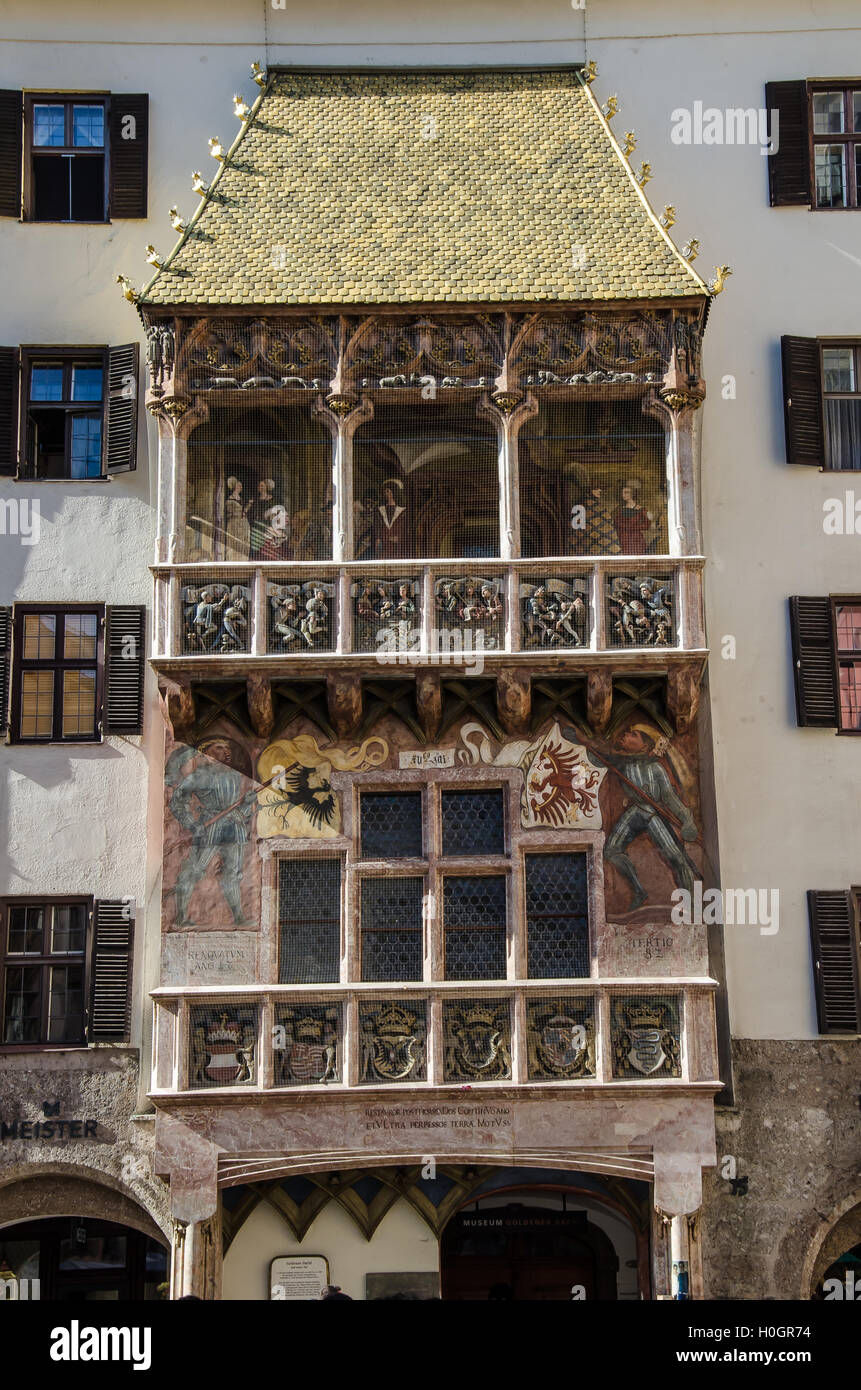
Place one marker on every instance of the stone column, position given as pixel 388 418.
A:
pixel 342 415
pixel 676 409
pixel 177 417
pixel 509 410
pixel 196 1258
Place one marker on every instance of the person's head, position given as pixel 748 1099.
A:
pixel 403 591
pixel 631 491
pixel 596 492
pixel 540 592
pixel 234 486
pixel 220 751
pixel 266 487
pixel 636 742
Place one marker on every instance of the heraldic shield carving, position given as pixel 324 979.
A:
pixel 393 1042
pixel 224 1045
pixel 306 1042
pixel 560 1039
pixel 477 1039
pixel 646 1037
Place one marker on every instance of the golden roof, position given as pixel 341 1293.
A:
pixel 423 187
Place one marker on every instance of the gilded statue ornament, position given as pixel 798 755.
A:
pixel 630 143
pixel 680 400
pixel 153 257
pixel 198 183
pixel 722 274
pixel 129 290
pixel 610 107
pixel 174 407
pixel 691 249
pixel 668 219
pixel 176 221
pixel 217 150
pixel 241 109
pixel 590 72
pixel 506 401
pixel 644 173
pixel 258 74
pixel 341 405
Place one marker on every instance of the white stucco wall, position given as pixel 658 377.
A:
pixel 787 798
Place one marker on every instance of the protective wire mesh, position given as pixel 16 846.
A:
pixel 309 914
pixel 391 824
pixel 560 1037
pixel 474 911
pixel 393 1041
pixel 307 1044
pixel 391 940
pixel 224 1044
pixel 646 1034
pixel 216 614
pixel 477 1039
pixel 557 916
pixel 473 822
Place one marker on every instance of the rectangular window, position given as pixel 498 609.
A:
pixel 473 822
pixel 43 958
pixel 57 675
pixel 391 825
pixel 63 413
pixel 474 914
pixel 557 916
pixel 847 624
pixel 392 928
pixel 836 146
pixel 841 387
pixel 309 917
pixel 66 159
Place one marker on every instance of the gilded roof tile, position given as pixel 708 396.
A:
pixel 422 187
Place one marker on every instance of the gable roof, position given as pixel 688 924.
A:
pixel 423 187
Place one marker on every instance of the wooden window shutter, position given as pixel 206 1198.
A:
pixel 5 659
pixel 8 410
pixel 789 168
pixel 816 693
pixel 129 138
pixel 121 409
pixel 802 401
pixel 125 632
pixel 11 136
pixel 835 961
pixel 110 995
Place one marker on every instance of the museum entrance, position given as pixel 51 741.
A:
pixel 524 1252
pixel 77 1259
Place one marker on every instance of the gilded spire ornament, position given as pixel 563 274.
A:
pixel 198 183
pixel 644 173
pixel 153 257
pixel 241 109
pixel 129 290
pixel 217 150
pixel 258 74
pixel 668 219
pixel 590 72
pixel 610 107
pixel 691 248
pixel 722 274
pixel 630 143
pixel 176 221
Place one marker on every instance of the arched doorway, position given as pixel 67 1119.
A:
pixel 524 1251
pixel 79 1259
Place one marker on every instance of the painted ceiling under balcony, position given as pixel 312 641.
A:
pixel 352 188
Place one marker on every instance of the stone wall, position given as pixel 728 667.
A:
pixel 795 1138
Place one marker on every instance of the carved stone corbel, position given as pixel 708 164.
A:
pixel 683 696
pixel 599 699
pixel 429 702
pixel 344 699
pixel 514 700
pixel 261 705
pixel 177 701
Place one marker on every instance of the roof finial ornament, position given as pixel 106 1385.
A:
pixel 217 150
pixel 722 274
pixel 153 257
pixel 129 290
pixel 241 109
pixel 644 173
pixel 258 74
pixel 590 72
pixel 669 218
pixel 176 221
pixel 630 143
pixel 610 107
pixel 691 248
pixel 198 184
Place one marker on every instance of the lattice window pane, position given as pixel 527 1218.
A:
pixel 223 1045
pixel 307 1044
pixel 560 1038
pixel 477 1036
pixel 474 913
pixel 557 916
pixel 391 825
pixel 394 1041
pixel 473 822
pixel 310 920
pixel 392 928
pixel 646 1035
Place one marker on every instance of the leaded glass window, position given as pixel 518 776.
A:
pixel 392 928
pixel 391 825
pixel 474 915
pixel 557 916
pixel 473 822
pixel 310 921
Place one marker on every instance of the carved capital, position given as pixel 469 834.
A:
pixel 506 401
pixel 342 406
pixel 514 700
pixel 599 699
pixel 683 696
pixel 344 699
pixel 682 400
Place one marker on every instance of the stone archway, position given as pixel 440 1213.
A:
pixel 838 1233
pixel 56 1192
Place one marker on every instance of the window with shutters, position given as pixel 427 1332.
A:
pixel 77 671
pixel 847 628
pixel 822 402
pixel 65 971
pixel 65 178
pixel 835 945
pixel 841 394
pixel 79 417
pixel 835 129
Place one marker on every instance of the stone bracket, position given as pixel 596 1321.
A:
pixel 683 696
pixel 261 705
pixel 344 700
pixel 599 699
pixel 178 705
pixel 429 702
pixel 514 700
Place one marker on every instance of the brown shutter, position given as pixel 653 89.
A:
pixel 816 693
pixel 110 996
pixel 11 135
pixel 129 138
pixel 8 410
pixel 789 168
pixel 802 401
pixel 5 658
pixel 835 961
pixel 125 631
pixel 121 409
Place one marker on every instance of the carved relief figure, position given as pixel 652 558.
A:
pixel 236 524
pixel 210 802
